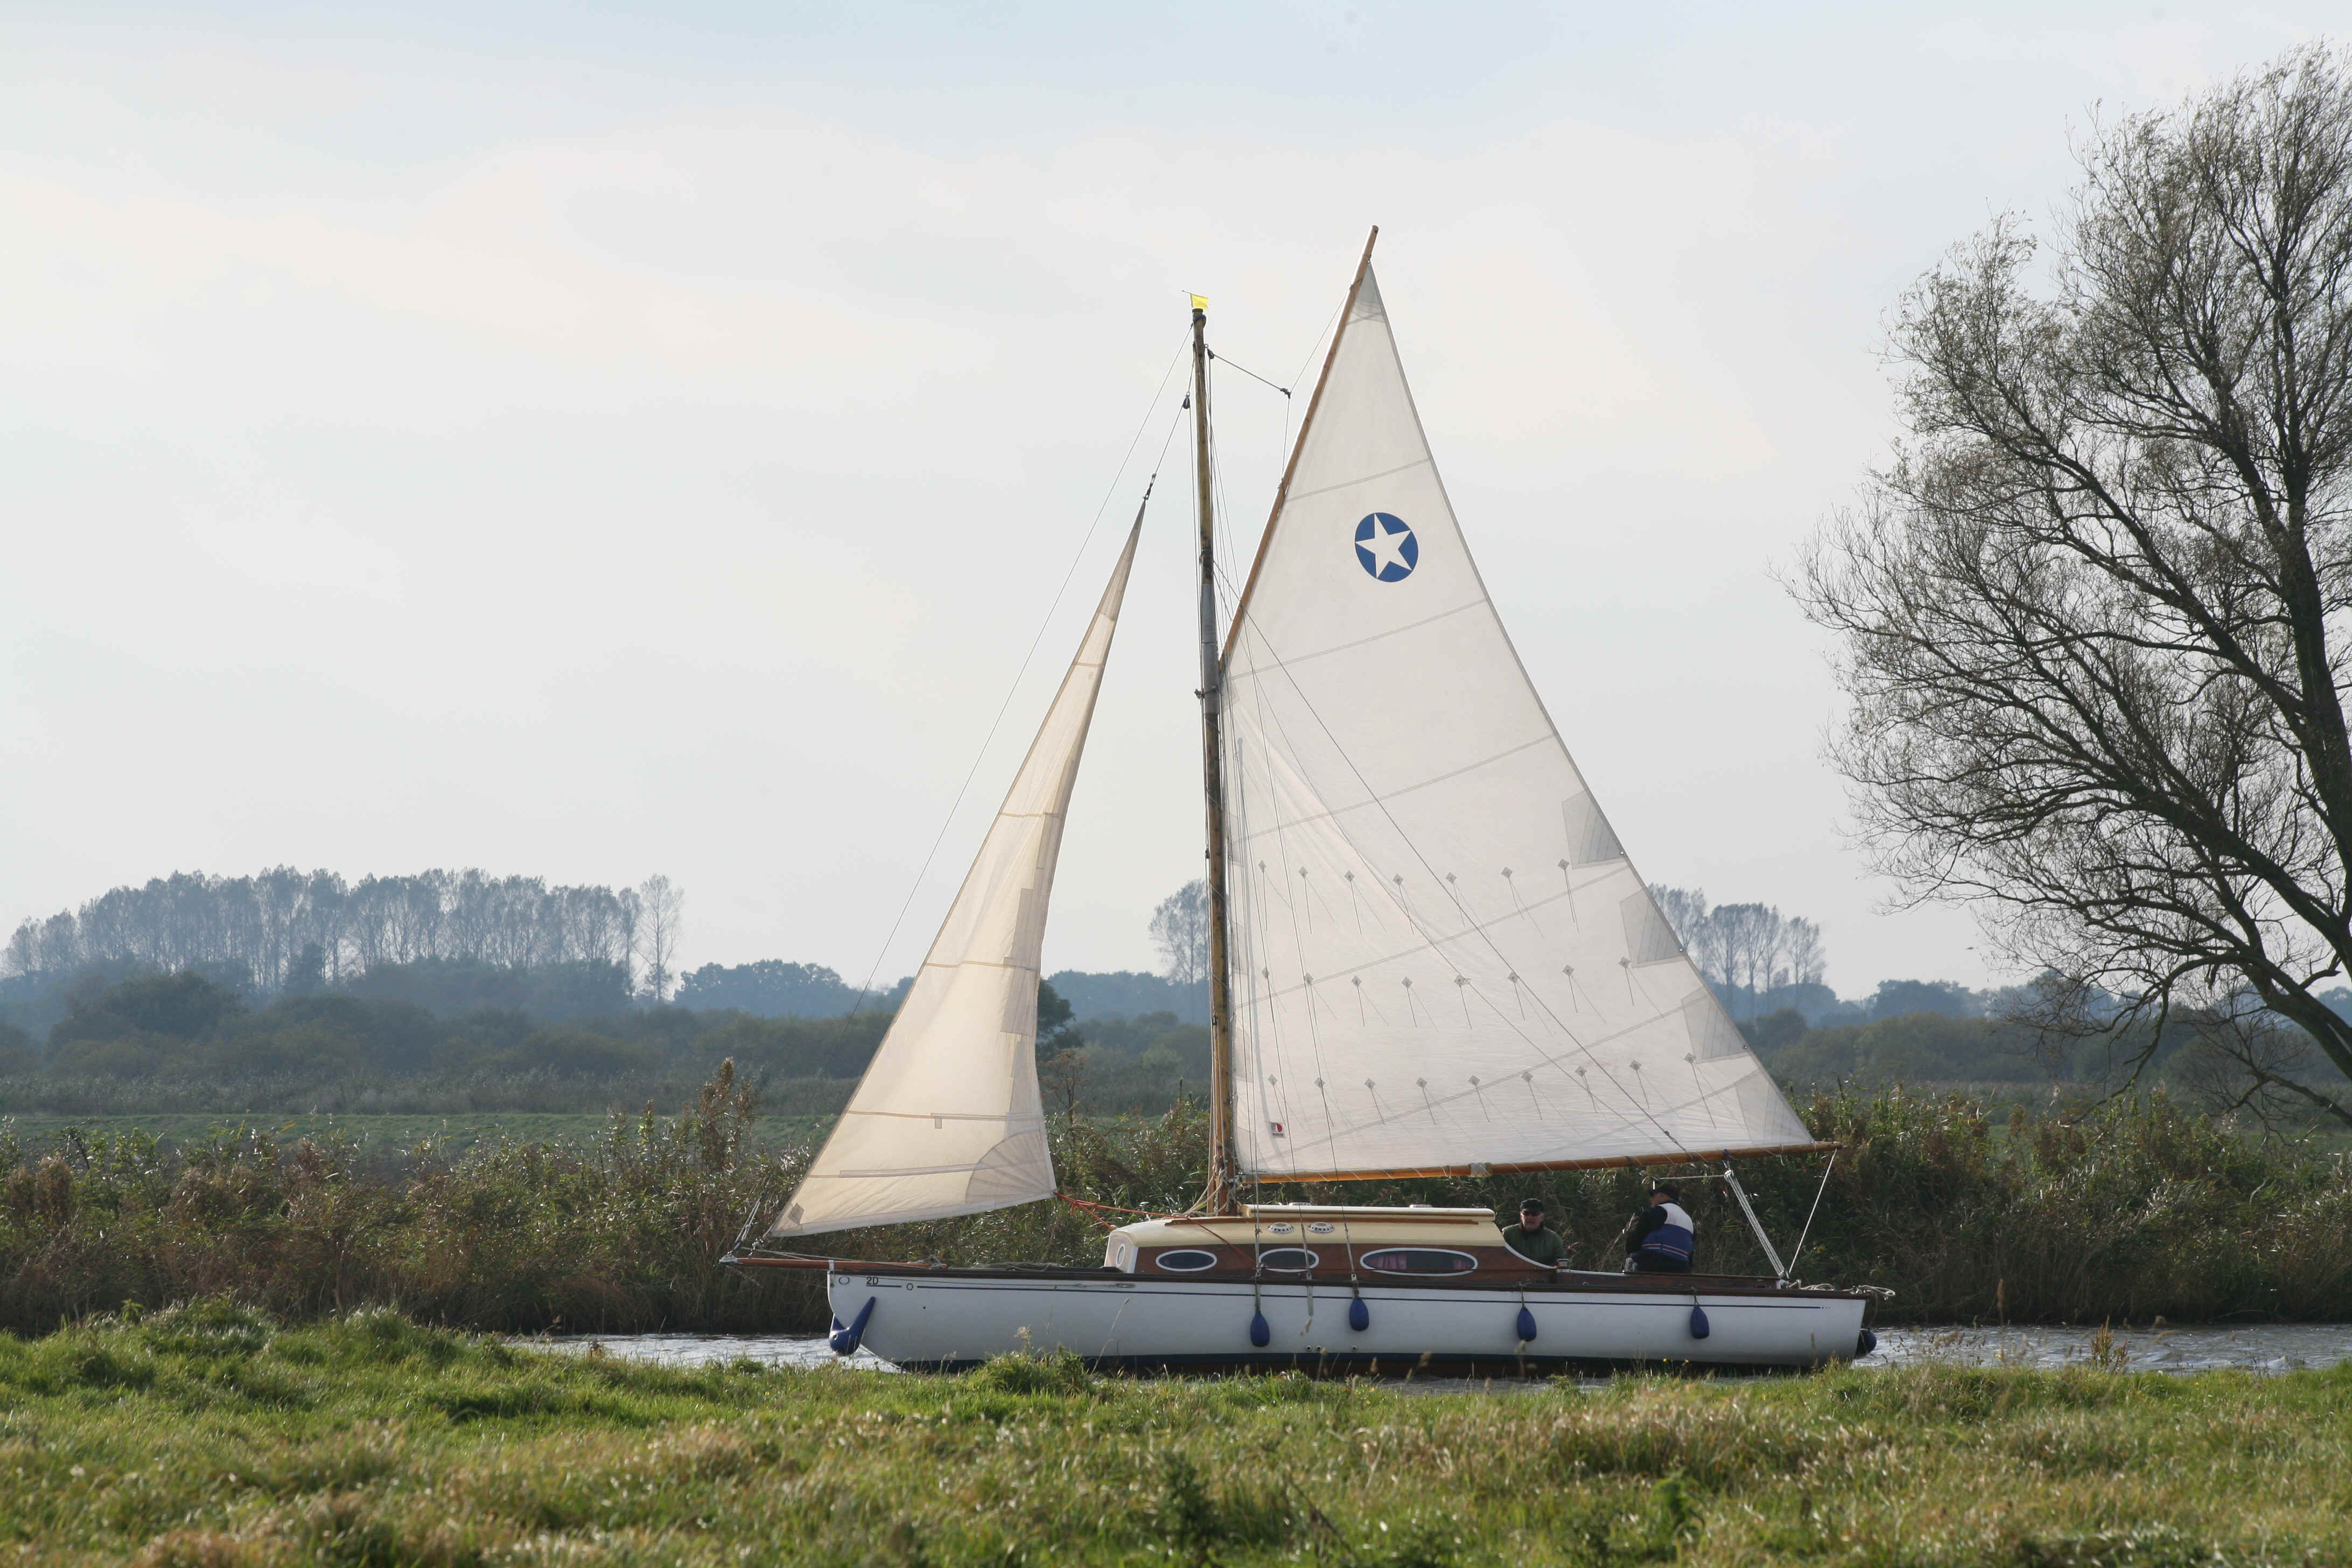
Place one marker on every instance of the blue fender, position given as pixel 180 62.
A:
pixel 1260 1335
pixel 1360 1317
pixel 1527 1325
pixel 1864 1345
pixel 844 1341
pixel 1698 1324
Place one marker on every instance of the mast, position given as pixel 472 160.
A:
pixel 1224 1180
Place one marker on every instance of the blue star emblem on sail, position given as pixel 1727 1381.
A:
pixel 1386 548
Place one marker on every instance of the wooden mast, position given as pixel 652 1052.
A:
pixel 1224 1170
pixel 1223 1179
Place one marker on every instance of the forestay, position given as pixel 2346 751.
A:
pixel 1441 956
pixel 946 1120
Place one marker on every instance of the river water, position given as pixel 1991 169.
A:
pixel 2287 1347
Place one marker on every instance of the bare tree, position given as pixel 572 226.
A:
pixel 1749 948
pixel 660 918
pixel 1684 908
pixel 1802 960
pixel 2091 615
pixel 2240 1057
pixel 1749 933
pixel 1180 930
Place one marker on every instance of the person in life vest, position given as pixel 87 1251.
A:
pixel 1660 1237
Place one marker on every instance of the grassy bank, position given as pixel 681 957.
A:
pixel 210 1436
pixel 2138 1211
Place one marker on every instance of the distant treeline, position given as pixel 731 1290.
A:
pixel 1930 1046
pixel 453 992
pixel 772 989
pixel 182 1041
pixel 441 1037
pixel 585 948
pixel 452 942
pixel 293 930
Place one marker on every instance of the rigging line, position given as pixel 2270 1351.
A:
pixel 1811 1212
pixel 980 755
pixel 1247 372
pixel 1289 404
pixel 1222 541
pixel 1298 948
pixel 1413 921
pixel 1169 439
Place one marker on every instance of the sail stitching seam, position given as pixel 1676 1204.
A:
pixel 1251 673
pixel 1434 944
pixel 1365 479
pixel 1623 1122
pixel 1334 813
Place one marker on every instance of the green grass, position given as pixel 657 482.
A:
pixel 210 1435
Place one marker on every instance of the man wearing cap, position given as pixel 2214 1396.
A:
pixel 1531 1240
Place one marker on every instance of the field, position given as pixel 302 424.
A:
pixel 209 1435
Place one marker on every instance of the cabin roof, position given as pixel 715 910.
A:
pixel 1303 1225
pixel 1416 1212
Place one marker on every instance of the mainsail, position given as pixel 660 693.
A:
pixel 946 1120
pixel 1442 959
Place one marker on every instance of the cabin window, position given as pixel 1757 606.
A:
pixel 1419 1260
pixel 1286 1259
pixel 1186 1260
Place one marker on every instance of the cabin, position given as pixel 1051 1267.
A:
pixel 1306 1241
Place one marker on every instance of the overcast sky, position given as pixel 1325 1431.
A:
pixel 593 445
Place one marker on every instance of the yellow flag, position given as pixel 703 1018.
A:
pixel 1200 301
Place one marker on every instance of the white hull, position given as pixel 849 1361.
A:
pixel 952 1320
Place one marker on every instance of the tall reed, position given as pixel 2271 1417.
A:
pixel 2137 1210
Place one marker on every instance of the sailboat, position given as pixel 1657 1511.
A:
pixel 1430 956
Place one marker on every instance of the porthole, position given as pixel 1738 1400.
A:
pixel 1188 1260
pixel 1419 1260
pixel 1286 1259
